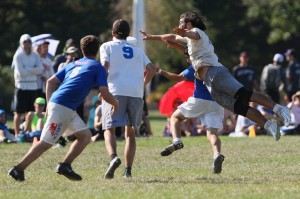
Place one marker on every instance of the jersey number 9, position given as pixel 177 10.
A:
pixel 128 52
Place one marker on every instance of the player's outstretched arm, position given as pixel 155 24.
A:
pixel 170 76
pixel 187 33
pixel 164 37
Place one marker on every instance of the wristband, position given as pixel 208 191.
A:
pixel 159 71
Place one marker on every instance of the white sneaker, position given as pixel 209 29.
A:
pixel 273 129
pixel 284 112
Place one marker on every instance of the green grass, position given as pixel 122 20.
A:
pixel 253 168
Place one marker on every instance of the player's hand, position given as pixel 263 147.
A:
pixel 114 108
pixel 146 36
pixel 180 31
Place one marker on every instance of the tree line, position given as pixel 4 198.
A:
pixel 262 28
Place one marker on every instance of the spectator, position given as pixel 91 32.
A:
pixel 98 133
pixel 145 128
pixel 72 54
pixel 47 68
pixel 5 135
pixel 60 58
pixel 27 66
pixel 294 107
pixel 245 73
pixel 35 120
pixel 229 122
pixel 272 78
pixel 125 64
pixel 292 73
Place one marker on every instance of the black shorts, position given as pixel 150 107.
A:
pixel 24 100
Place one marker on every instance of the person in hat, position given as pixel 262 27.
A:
pixel 223 87
pixel 61 58
pixel 272 77
pixel 72 54
pixel 66 90
pixel 244 72
pixel 126 65
pixel 27 65
pixel 35 120
pixel 292 73
pixel 47 68
pixel 5 135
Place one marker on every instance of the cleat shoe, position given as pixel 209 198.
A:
pixel 127 175
pixel 217 166
pixel 171 148
pixel 113 165
pixel 16 174
pixel 273 129
pixel 285 114
pixel 67 171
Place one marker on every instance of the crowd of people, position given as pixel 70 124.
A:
pixel 49 96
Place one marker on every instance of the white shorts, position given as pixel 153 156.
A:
pixel 209 112
pixel 61 120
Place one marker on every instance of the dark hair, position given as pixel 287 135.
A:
pixel 121 29
pixel 89 45
pixel 196 20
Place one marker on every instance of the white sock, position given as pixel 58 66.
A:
pixel 216 155
pixel 276 108
pixel 267 124
pixel 176 139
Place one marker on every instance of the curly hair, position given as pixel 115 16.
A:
pixel 196 20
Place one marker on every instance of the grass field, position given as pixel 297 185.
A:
pixel 253 168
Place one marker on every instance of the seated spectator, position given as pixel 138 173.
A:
pixel 229 123
pixel 294 107
pixel 34 121
pixel 5 135
pixel 95 121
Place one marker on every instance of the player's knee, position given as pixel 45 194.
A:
pixel 243 95
pixel 211 131
pixel 241 108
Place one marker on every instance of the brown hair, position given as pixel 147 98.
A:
pixel 196 20
pixel 121 29
pixel 89 45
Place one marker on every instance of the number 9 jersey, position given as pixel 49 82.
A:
pixel 127 64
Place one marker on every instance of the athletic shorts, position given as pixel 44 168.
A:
pixel 129 113
pixel 24 100
pixel 222 86
pixel 61 120
pixel 209 112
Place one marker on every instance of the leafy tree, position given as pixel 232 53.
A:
pixel 281 15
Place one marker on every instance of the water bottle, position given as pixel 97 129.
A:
pixel 20 138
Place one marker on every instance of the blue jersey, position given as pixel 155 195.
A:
pixel 200 91
pixel 78 78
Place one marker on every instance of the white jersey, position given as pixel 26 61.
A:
pixel 201 51
pixel 127 64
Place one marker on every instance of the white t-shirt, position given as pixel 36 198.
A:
pixel 201 51
pixel 127 64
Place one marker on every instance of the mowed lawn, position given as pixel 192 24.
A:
pixel 253 168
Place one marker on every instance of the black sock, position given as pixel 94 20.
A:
pixel 127 170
